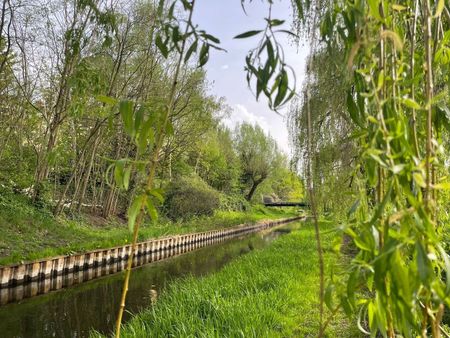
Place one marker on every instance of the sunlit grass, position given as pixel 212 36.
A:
pixel 268 293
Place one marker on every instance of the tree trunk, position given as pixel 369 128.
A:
pixel 253 188
pixel 87 173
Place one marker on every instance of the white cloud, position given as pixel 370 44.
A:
pixel 275 126
pixel 224 67
pixel 241 114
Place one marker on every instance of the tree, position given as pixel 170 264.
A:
pixel 398 113
pixel 216 161
pixel 258 154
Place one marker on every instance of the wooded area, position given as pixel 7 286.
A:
pixel 64 65
pixel 105 110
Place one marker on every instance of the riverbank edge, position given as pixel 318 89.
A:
pixel 18 274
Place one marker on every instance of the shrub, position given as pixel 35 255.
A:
pixel 233 202
pixel 190 196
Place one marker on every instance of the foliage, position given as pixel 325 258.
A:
pixel 62 153
pixel 394 127
pixel 30 233
pixel 283 184
pixel 234 202
pixel 258 155
pixel 190 196
pixel 216 161
pixel 265 65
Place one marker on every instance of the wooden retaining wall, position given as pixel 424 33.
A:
pixel 15 275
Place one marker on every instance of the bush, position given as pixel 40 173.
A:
pixel 190 196
pixel 233 202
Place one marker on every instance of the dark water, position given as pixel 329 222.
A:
pixel 74 311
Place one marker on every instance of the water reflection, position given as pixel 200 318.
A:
pixel 74 311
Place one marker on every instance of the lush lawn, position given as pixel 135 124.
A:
pixel 29 233
pixel 268 293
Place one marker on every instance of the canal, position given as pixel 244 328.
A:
pixel 76 310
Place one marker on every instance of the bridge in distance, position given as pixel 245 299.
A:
pixel 286 204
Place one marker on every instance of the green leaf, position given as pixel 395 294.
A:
pixel 276 22
pixel 382 205
pixel 169 128
pixel 138 118
pixel 204 55
pixel 374 9
pixel 162 46
pixel 353 110
pixel 423 266
pixel 380 315
pixel 126 111
pixel 372 315
pixel 106 99
pixel 380 81
pixel 418 178
pixel 191 50
pixel 442 186
pixel 146 134
pixel 328 297
pixel 108 173
pixel 247 34
pixel 187 5
pixel 398 8
pixel 353 208
pixel 410 103
pixel 212 38
pixel 362 244
pixel 152 210
pixel 270 54
pixel 439 8
pixel 126 177
pixel 351 287
pixel 134 209
pixel 282 88
pixel 171 10
pixel 346 305
pixel 446 259
pixel 118 173
pixel 176 35
pixel 158 194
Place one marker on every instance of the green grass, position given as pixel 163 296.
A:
pixel 267 293
pixel 29 233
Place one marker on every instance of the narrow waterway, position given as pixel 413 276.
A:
pixel 74 311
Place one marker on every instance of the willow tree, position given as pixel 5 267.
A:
pixel 258 155
pixel 397 100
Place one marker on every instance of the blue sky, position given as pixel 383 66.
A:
pixel 225 19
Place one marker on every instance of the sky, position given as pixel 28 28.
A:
pixel 225 70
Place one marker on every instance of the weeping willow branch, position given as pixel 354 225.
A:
pixel 412 66
pixel 151 175
pixel 429 97
pixel 311 190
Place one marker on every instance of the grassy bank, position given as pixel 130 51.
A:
pixel 29 233
pixel 268 293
